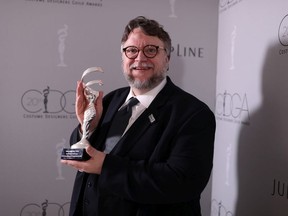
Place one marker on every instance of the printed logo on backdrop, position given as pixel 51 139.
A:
pixel 172 8
pixel 59 148
pixel 45 208
pixel 218 209
pixel 185 51
pixel 62 35
pixel 283 35
pixel 233 107
pixel 48 103
pixel 87 3
pixel 228 166
pixel 232 51
pixel 225 5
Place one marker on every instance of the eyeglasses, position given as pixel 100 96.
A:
pixel 150 51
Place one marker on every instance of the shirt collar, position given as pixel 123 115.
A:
pixel 147 98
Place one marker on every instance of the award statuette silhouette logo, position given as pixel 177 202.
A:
pixel 77 150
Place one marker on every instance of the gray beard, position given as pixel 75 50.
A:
pixel 147 84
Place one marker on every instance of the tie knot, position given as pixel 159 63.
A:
pixel 132 102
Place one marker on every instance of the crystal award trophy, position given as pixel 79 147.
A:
pixel 77 151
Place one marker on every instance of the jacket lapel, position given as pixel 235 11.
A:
pixel 113 107
pixel 147 118
pixel 134 133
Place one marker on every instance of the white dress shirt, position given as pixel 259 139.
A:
pixel 144 101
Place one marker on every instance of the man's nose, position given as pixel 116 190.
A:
pixel 141 55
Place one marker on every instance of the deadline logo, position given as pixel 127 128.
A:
pixel 232 107
pixel 187 52
pixel 48 103
pixel 218 209
pixel 55 209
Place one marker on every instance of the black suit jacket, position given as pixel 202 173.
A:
pixel 159 167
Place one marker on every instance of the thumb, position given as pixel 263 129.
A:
pixel 91 151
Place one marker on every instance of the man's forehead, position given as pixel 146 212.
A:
pixel 138 38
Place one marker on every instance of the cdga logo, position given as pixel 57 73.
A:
pixel 283 31
pixel 232 107
pixel 48 101
pixel 45 208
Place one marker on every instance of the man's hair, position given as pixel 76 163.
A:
pixel 150 28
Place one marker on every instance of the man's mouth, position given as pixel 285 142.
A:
pixel 142 66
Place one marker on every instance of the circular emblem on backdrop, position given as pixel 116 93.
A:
pixel 48 101
pixel 283 31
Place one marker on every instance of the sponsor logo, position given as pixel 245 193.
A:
pixel 56 209
pixel 225 5
pixel 48 104
pixel 218 209
pixel 233 108
pixel 283 35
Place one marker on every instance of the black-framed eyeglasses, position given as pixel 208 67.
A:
pixel 150 51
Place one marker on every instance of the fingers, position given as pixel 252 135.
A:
pixel 93 165
pixel 100 96
pixel 100 99
pixel 75 164
pixel 80 102
pixel 80 88
pixel 79 94
pixel 99 103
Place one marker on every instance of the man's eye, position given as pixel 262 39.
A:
pixel 132 50
pixel 152 50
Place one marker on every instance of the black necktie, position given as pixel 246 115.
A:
pixel 119 124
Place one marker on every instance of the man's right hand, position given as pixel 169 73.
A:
pixel 82 103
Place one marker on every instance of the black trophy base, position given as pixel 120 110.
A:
pixel 78 154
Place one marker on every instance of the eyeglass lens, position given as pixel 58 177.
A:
pixel 150 51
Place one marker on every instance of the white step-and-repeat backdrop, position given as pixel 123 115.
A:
pixel 250 175
pixel 45 45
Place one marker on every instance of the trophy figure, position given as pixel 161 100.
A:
pixel 78 150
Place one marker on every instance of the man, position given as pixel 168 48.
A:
pixel 163 161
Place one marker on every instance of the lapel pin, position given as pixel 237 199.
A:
pixel 151 118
